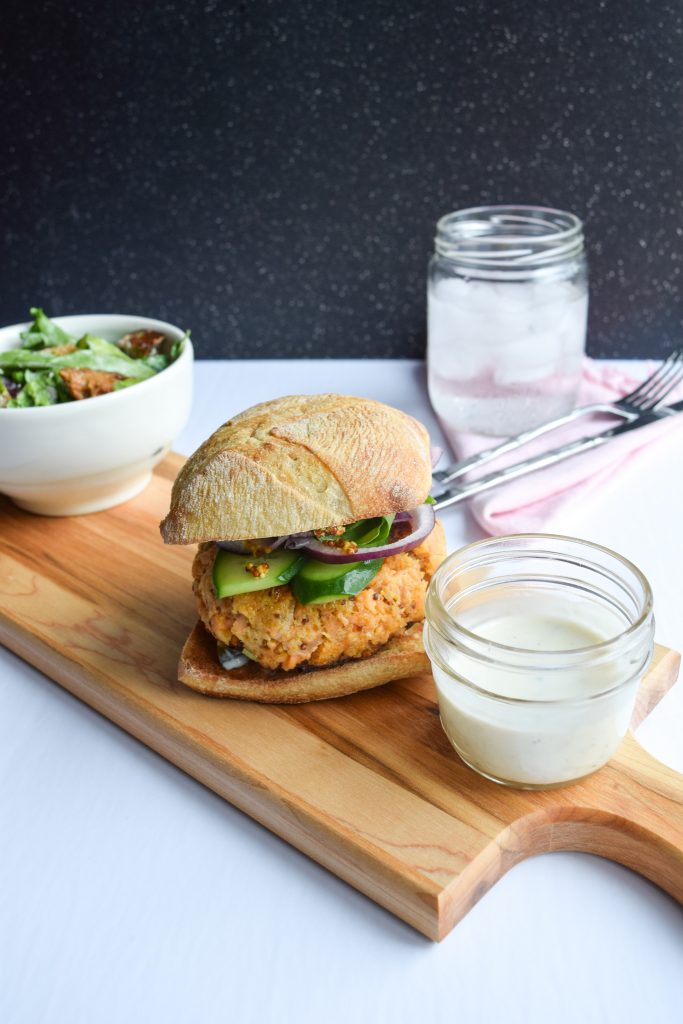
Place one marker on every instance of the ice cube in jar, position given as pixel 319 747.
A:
pixel 507 306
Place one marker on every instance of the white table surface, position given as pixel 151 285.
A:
pixel 128 892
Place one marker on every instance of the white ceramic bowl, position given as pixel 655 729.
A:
pixel 84 456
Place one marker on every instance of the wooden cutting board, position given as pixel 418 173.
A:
pixel 367 785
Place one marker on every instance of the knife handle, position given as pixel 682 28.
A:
pixel 446 476
pixel 536 462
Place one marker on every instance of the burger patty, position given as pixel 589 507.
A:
pixel 281 633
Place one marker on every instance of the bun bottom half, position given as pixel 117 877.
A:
pixel 199 668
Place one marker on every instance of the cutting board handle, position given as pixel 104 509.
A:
pixel 632 810
pixel 661 676
pixel 649 819
pixel 644 829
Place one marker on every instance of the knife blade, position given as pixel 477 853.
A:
pixel 455 495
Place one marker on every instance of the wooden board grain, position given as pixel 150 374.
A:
pixel 368 785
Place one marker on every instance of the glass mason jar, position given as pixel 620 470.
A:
pixel 538 644
pixel 507 304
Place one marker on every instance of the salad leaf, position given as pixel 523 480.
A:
pixel 41 387
pixel 156 362
pixel 43 332
pixel 94 343
pixel 99 355
pixel 63 393
pixel 21 400
pixel 176 347
pixel 30 375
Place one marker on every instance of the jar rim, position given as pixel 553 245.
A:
pixel 453 629
pixel 509 236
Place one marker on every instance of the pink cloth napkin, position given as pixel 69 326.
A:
pixel 527 505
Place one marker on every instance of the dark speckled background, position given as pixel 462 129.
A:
pixel 269 173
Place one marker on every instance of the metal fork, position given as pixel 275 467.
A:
pixel 455 495
pixel 649 394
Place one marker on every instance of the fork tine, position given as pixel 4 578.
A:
pixel 660 374
pixel 667 386
pixel 643 388
pixel 661 399
pixel 663 385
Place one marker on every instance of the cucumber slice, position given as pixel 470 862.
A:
pixel 320 582
pixel 231 576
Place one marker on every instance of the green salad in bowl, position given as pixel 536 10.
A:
pixel 62 456
pixel 52 366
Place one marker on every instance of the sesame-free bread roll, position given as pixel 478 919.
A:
pixel 199 668
pixel 304 462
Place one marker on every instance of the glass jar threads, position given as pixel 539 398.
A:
pixel 507 303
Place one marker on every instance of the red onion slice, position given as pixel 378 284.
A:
pixel 230 658
pixel 421 519
pixel 236 547
pixel 435 455
pixel 240 547
pixel 298 540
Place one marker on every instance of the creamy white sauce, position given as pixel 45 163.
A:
pixel 578 726
pixel 538 632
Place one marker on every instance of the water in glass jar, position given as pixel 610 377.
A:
pixel 504 356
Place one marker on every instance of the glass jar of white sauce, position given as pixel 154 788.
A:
pixel 507 303
pixel 538 644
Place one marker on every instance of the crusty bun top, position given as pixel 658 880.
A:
pixel 304 462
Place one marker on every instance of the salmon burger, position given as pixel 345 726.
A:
pixel 317 541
